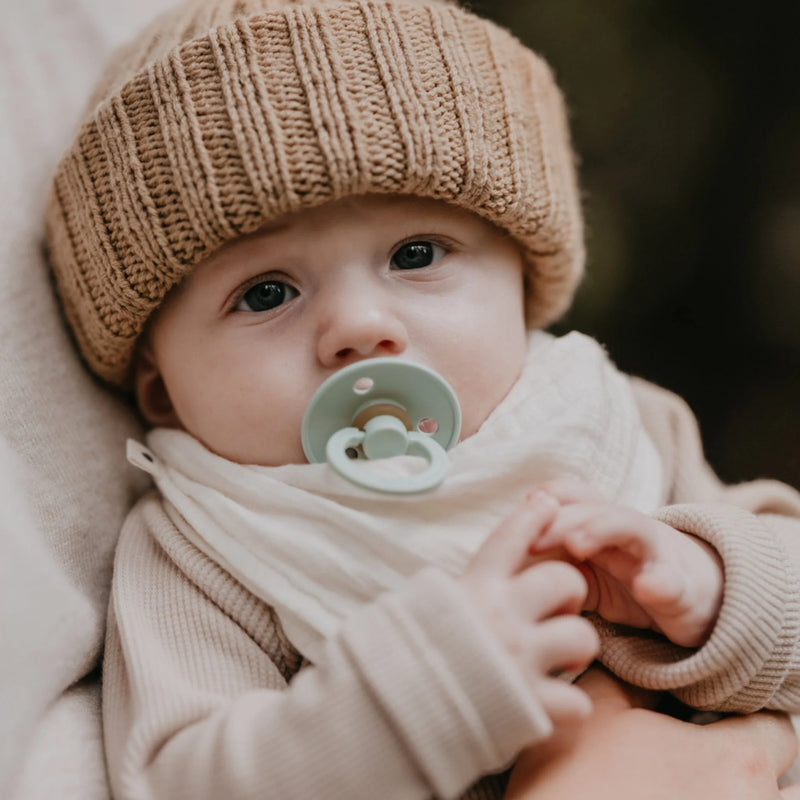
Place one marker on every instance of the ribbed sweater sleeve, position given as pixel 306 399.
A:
pixel 751 660
pixel 412 699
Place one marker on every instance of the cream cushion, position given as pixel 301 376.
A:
pixel 64 483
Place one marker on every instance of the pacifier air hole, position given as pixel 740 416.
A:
pixel 427 425
pixel 363 385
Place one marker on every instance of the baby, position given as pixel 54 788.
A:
pixel 265 192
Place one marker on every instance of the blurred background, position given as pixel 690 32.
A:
pixel 686 119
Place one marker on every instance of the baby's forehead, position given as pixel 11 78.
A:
pixel 373 224
pixel 369 210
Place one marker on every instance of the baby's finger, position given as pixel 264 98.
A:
pixel 563 701
pixel 570 518
pixel 658 585
pixel 565 644
pixel 549 587
pixel 584 530
pixel 507 547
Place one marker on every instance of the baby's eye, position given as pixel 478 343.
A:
pixel 415 255
pixel 265 296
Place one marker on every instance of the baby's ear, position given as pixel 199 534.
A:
pixel 152 395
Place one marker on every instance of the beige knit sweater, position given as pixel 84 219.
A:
pixel 412 698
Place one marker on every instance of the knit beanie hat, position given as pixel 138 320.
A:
pixel 226 114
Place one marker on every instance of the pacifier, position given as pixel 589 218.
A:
pixel 380 408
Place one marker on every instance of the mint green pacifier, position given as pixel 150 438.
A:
pixel 379 408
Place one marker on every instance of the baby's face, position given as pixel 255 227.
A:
pixel 236 351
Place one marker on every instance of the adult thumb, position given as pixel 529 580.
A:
pixel 609 694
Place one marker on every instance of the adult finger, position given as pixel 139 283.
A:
pixel 610 695
pixel 790 793
pixel 506 549
pixel 770 734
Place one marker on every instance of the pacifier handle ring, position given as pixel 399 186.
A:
pixel 387 407
pixel 419 444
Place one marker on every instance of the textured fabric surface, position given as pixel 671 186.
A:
pixel 570 413
pixel 228 114
pixel 200 666
pixel 64 490
pixel 198 669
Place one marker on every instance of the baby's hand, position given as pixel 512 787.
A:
pixel 640 571
pixel 532 608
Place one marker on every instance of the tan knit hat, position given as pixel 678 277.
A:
pixel 228 113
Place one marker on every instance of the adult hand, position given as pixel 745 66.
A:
pixel 624 750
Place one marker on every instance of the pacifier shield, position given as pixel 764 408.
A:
pixel 427 402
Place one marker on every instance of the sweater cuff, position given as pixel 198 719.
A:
pixel 460 705
pixel 748 654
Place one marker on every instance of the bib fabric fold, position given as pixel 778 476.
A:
pixel 315 546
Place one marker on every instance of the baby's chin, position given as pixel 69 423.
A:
pixel 268 459
pixel 252 454
pixel 471 423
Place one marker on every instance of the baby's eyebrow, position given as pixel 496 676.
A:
pixel 268 229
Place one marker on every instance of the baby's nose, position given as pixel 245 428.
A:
pixel 359 324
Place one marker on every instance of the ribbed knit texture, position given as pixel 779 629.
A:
pixel 224 115
pixel 570 412
pixel 201 698
pixel 760 606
